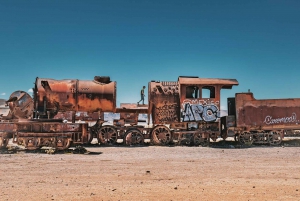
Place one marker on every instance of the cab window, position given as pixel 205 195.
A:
pixel 208 92
pixel 192 92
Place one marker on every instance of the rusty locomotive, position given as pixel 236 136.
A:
pixel 64 113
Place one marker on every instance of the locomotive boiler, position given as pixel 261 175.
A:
pixel 53 96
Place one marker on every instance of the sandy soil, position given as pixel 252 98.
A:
pixel 153 173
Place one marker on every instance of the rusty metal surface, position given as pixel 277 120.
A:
pixel 34 134
pixel 7 127
pixel 95 96
pixel 79 116
pixel 129 118
pixel 74 95
pixel 163 99
pixel 225 83
pixel 54 127
pixel 171 102
pixel 132 110
pixel 269 114
pixel 21 105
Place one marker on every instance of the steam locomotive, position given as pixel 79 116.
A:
pixel 70 112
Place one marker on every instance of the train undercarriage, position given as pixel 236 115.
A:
pixel 61 136
pixel 54 133
pixel 273 137
pixel 36 134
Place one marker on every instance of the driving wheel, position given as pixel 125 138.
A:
pixel 133 137
pixel 107 135
pixel 161 135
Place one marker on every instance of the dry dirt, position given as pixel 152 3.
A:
pixel 153 173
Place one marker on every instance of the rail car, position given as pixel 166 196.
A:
pixel 265 121
pixel 70 112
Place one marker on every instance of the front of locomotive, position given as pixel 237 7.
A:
pixel 65 105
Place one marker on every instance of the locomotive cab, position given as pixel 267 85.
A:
pixel 200 103
pixel 200 98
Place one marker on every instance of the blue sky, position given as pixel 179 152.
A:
pixel 256 42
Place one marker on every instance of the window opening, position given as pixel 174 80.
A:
pixel 192 92
pixel 208 92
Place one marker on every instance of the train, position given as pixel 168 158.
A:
pixel 71 112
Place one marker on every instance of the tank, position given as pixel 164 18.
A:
pixel 268 114
pixel 265 121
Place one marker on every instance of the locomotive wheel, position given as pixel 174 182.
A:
pixel 3 142
pixel 274 138
pixel 32 143
pixel 161 135
pixel 246 138
pixel 134 137
pixel 62 143
pixel 199 141
pixel 107 135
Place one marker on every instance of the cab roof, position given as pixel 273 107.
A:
pixel 225 83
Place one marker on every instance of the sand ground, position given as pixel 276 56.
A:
pixel 153 173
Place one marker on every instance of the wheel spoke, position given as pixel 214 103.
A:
pixel 246 138
pixel 274 138
pixel 161 135
pixel 199 141
pixel 107 135
pixel 133 137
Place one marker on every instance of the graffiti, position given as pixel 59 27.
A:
pixel 200 112
pixel 208 102
pixel 167 113
pixel 269 119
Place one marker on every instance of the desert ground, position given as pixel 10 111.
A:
pixel 153 173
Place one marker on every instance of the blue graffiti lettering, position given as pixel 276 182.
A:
pixel 198 112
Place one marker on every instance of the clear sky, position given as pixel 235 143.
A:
pixel 256 42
